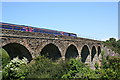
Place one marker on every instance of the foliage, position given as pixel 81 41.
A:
pixel 110 68
pixel 5 57
pixel 113 44
pixel 73 68
pixel 43 67
pixel 13 69
pixel 96 65
pixel 77 69
pixel 114 64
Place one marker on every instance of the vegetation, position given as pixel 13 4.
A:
pixel 4 60
pixel 14 69
pixel 110 68
pixel 5 57
pixel 113 44
pixel 42 67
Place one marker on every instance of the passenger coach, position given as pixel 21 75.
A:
pixel 33 29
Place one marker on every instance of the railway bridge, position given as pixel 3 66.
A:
pixel 31 44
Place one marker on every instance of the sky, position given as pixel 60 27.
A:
pixel 94 20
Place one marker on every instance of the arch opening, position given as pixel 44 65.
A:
pixel 17 50
pixel 71 52
pixel 51 51
pixel 84 53
pixel 99 50
pixel 93 52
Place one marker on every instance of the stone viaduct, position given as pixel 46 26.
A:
pixel 30 44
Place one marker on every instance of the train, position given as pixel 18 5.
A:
pixel 34 29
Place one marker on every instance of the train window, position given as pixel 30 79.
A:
pixel 17 28
pixel 20 27
pixel 13 27
pixel 23 29
pixel 36 30
pixel 0 26
pixel 6 27
pixel 41 31
pixel 46 32
pixel 73 35
pixel 57 33
pixel 66 34
pixel 50 32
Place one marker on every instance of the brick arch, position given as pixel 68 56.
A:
pixel 18 41
pixel 71 51
pixel 93 52
pixel 89 47
pixel 51 51
pixel 99 50
pixel 85 52
pixel 44 43
pixel 17 50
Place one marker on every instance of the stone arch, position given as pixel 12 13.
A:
pixel 85 53
pixel 71 52
pixel 99 50
pixel 93 52
pixel 51 51
pixel 16 49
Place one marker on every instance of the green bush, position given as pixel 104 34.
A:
pixel 114 63
pixel 96 65
pixel 77 69
pixel 5 57
pixel 111 68
pixel 13 70
pixel 42 67
pixel 73 68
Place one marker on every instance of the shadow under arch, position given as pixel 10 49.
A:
pixel 51 51
pixel 15 49
pixel 99 50
pixel 84 53
pixel 93 52
pixel 71 52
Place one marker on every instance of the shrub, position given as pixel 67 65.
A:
pixel 77 69
pixel 114 63
pixel 13 69
pixel 111 68
pixel 96 65
pixel 42 67
pixel 5 57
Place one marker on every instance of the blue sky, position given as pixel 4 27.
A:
pixel 96 20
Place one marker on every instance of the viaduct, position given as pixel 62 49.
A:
pixel 30 44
